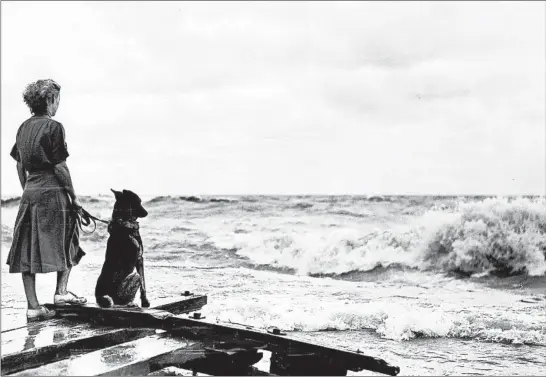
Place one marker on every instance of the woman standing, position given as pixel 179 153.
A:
pixel 45 235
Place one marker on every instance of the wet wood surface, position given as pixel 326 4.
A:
pixel 173 371
pixel 132 358
pixel 42 342
pixel 159 354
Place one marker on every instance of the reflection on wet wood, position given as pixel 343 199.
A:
pixel 28 349
pixel 53 340
pixel 173 371
pixel 131 358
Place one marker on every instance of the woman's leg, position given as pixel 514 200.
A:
pixel 62 281
pixel 29 282
pixel 62 295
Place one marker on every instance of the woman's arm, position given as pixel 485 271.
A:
pixel 22 174
pixel 63 176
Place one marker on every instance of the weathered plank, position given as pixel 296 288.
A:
pixel 131 358
pixel 208 330
pixel 174 305
pixel 43 342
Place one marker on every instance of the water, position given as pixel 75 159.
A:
pixel 435 285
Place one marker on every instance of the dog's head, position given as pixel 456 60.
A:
pixel 128 205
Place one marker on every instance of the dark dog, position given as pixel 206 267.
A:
pixel 118 282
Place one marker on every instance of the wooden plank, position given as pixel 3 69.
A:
pixel 131 358
pixel 173 305
pixel 181 304
pixel 42 342
pixel 206 329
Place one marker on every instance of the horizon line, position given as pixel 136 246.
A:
pixel 108 193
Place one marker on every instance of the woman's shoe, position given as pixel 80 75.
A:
pixel 69 299
pixel 40 314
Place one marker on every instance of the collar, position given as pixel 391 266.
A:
pixel 131 225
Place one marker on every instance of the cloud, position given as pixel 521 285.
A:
pixel 331 97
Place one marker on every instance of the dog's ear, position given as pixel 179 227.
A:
pixel 117 194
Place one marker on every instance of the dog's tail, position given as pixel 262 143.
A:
pixel 105 301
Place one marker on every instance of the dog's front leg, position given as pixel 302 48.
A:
pixel 140 269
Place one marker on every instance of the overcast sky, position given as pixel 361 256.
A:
pixel 286 97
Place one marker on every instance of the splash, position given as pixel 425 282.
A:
pixel 390 321
pixel 497 236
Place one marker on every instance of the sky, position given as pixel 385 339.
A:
pixel 200 98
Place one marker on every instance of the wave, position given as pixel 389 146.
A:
pixel 91 200
pixel 14 201
pixel 500 236
pixel 191 199
pixel 302 205
pixel 10 202
pixel 345 212
pixel 390 321
pixel 7 234
pixel 503 237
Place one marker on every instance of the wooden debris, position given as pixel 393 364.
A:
pixel 207 330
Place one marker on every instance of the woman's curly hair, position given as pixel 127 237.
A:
pixel 38 94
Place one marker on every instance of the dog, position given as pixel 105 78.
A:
pixel 118 282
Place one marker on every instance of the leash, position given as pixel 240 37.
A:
pixel 84 219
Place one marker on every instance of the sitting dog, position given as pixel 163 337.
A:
pixel 118 282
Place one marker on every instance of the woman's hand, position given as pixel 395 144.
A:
pixel 76 203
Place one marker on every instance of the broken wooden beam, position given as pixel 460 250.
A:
pixel 199 329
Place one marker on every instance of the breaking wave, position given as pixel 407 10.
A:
pixel 497 236
pixel 191 199
pixel 390 321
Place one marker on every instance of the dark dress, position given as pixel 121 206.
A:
pixel 45 235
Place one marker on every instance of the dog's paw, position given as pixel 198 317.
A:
pixel 145 303
pixel 105 302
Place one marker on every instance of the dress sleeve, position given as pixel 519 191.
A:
pixel 15 153
pixel 59 151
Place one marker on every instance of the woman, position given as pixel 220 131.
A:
pixel 45 236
